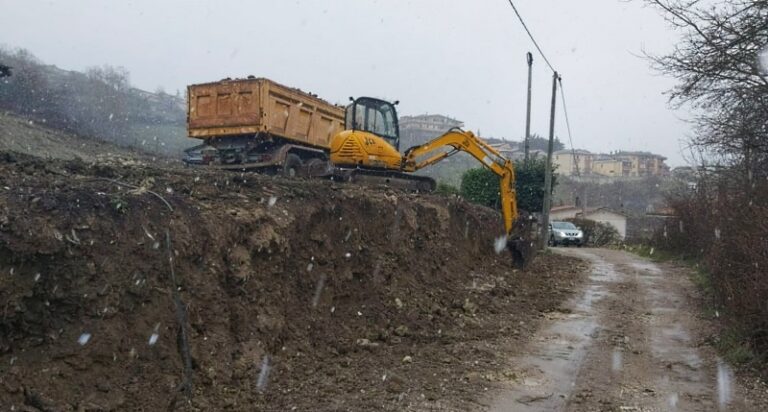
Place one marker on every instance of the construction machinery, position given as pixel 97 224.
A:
pixel 260 125
pixel 257 124
pixel 368 150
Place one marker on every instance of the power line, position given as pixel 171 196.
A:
pixel 531 36
pixel 559 79
pixel 568 126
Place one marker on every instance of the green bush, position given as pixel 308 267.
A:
pixel 596 233
pixel 482 186
pixel 446 189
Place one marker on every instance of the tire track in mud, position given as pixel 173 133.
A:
pixel 626 342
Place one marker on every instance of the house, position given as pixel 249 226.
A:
pixel 605 215
pixel 564 212
pixel 601 214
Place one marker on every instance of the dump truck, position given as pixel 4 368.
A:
pixel 258 124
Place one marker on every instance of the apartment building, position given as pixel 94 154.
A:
pixel 618 164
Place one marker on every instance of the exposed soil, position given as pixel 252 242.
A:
pixel 29 137
pixel 295 295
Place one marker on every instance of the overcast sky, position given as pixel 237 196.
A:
pixel 465 59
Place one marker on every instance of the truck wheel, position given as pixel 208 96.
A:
pixel 314 167
pixel 292 165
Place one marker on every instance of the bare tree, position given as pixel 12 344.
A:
pixel 720 72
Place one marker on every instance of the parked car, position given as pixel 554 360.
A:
pixel 565 233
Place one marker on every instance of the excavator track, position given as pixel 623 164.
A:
pixel 405 181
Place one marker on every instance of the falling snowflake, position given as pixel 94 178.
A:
pixel 261 382
pixel 84 338
pixel 500 244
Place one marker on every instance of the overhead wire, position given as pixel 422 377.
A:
pixel 568 126
pixel 559 79
pixel 525 26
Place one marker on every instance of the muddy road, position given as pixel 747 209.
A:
pixel 631 340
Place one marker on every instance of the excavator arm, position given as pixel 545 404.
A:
pixel 464 141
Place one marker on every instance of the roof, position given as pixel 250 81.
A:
pixel 563 208
pixel 639 154
pixel 430 118
pixel 589 212
pixel 569 151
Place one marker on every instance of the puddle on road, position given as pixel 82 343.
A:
pixel 686 379
pixel 546 375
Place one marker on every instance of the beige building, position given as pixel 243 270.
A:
pixel 573 162
pixel 416 130
pixel 610 167
pixel 619 164
pixel 514 152
pixel 644 163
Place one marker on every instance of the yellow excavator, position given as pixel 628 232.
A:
pixel 369 150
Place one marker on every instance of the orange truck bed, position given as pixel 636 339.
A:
pixel 255 106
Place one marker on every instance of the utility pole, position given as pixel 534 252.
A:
pixel 548 171
pixel 528 109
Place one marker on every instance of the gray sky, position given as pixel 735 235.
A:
pixel 464 58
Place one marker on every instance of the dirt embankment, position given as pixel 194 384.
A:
pixel 26 136
pixel 294 294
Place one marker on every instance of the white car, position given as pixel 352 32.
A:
pixel 565 233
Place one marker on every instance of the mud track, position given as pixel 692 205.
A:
pixel 291 294
pixel 631 340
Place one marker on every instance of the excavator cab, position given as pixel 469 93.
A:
pixel 374 116
pixel 371 138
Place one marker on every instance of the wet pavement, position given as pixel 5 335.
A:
pixel 626 342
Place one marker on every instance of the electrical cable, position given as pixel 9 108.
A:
pixel 559 79
pixel 531 35
pixel 568 126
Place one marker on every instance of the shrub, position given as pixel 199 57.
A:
pixel 446 189
pixel 597 233
pixel 481 186
pixel 723 226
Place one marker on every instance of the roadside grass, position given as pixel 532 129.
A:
pixel 731 342
pixel 731 345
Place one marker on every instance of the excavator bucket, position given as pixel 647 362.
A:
pixel 521 242
pixel 522 251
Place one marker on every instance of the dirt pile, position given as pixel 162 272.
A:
pixel 294 294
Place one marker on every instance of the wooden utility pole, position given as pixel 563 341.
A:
pixel 548 171
pixel 528 108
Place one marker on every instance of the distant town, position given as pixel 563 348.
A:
pixel 573 163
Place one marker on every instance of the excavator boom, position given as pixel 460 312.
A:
pixel 458 140
pixel 465 141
